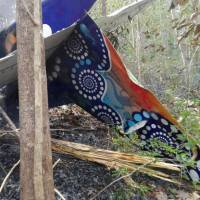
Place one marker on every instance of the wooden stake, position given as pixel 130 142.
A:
pixel 36 174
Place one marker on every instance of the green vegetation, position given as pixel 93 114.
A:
pixel 161 49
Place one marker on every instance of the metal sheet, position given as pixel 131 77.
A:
pixel 57 16
pixel 8 64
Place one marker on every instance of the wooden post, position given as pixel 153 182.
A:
pixel 36 176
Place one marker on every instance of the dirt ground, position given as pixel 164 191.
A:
pixel 77 179
pixel 74 178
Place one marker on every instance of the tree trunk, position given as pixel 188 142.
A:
pixel 104 7
pixel 36 175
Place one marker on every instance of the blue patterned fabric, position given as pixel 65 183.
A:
pixel 87 69
pixel 79 66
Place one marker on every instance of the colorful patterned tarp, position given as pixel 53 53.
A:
pixel 87 69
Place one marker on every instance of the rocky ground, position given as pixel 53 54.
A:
pixel 77 179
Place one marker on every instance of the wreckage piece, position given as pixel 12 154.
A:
pixel 55 20
pixel 88 69
pixel 58 17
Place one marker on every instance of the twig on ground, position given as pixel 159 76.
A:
pixel 56 190
pixel 8 175
pixel 10 122
pixel 2 134
pixel 119 179
pixel 59 194
pixel 54 165
pixel 74 129
pixel 5 133
pixel 130 182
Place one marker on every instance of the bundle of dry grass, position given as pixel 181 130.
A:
pixel 112 159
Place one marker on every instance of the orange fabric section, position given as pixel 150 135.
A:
pixel 139 95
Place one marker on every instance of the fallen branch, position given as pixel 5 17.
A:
pixel 9 121
pixel 116 160
pixel 59 194
pixel 8 175
pixel 56 190
pixel 117 180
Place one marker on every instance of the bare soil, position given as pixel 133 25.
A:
pixel 74 178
